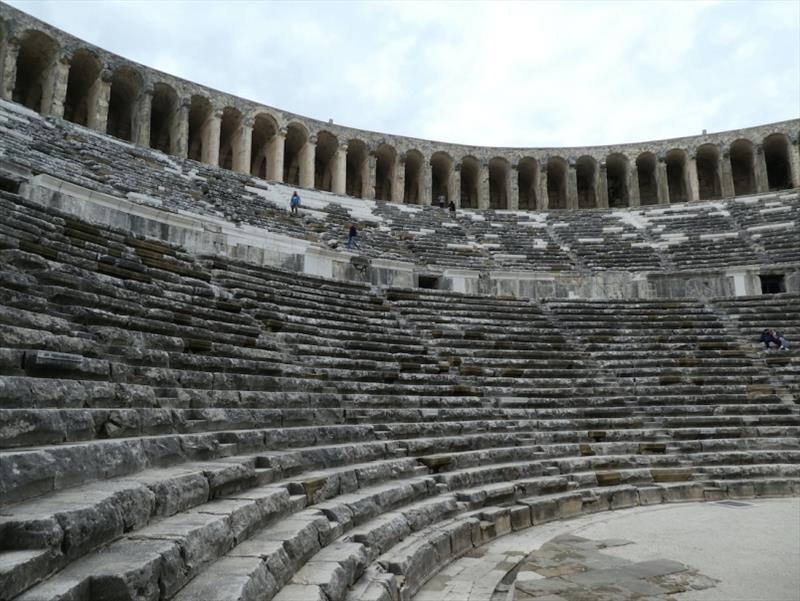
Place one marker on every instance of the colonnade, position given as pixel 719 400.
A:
pixel 125 103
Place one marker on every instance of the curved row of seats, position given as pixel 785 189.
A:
pixel 746 231
pixel 179 427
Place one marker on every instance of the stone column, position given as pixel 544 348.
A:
pixel 307 157
pixel 276 147
pixel 726 174
pixel 179 128
pixel 572 186
pixel 662 182
pixel 483 185
pixel 99 93
pixel 634 198
pixel 54 90
pixel 426 194
pixel 454 185
pixel 760 170
pixel 372 171
pixel 339 176
pixel 691 181
pixel 794 162
pixel 542 200
pixel 601 186
pixel 9 68
pixel 399 180
pixel 512 185
pixel 141 118
pixel 242 146
pixel 211 133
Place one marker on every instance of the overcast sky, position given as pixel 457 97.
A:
pixel 495 74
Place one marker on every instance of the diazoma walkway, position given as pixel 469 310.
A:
pixel 204 397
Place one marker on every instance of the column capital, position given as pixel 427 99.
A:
pixel 759 148
pixel 217 113
pixel 457 167
pixel 106 75
pixel 149 89
pixel 343 146
pixel 282 132
pixel 248 121
pixel 185 102
pixel 63 57
pixel 313 139
pixel 514 166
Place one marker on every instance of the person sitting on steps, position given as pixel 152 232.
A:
pixel 295 202
pixel 772 336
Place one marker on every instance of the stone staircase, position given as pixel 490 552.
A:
pixel 180 427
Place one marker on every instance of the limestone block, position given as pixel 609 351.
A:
pixel 678 493
pixel 233 578
pixel 301 592
pixel 375 585
pixel 569 505
pixel 542 510
pixel 520 517
pixel 175 489
pixel 329 576
pixel 651 495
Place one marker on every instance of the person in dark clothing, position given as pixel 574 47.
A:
pixel 295 202
pixel 351 236
pixel 771 336
pixel 452 207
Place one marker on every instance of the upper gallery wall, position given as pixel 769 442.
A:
pixel 56 74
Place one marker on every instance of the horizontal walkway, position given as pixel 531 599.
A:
pixel 752 550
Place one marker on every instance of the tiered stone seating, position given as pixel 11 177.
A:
pixel 701 236
pixel 739 232
pixel 201 428
pixel 771 223
pixel 603 240
pixel 749 316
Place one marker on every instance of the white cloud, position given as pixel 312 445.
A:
pixel 500 73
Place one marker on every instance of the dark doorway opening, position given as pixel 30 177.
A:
pixel 773 283
pixel 430 282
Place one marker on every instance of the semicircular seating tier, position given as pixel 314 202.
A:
pixel 175 426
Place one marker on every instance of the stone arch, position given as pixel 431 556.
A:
pixel 708 173
pixel 743 167
pixel 35 65
pixel 385 159
pixel 617 177
pixel 325 160
pixel 265 127
pixel 296 139
pixel 164 112
pixel 646 165
pixel 676 162
pixel 357 169
pixel 82 86
pixel 528 176
pixel 499 169
pixel 586 179
pixel 441 172
pixel 412 181
pixel 200 114
pixel 230 132
pixel 470 180
pixel 126 91
pixel 557 183
pixel 776 157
